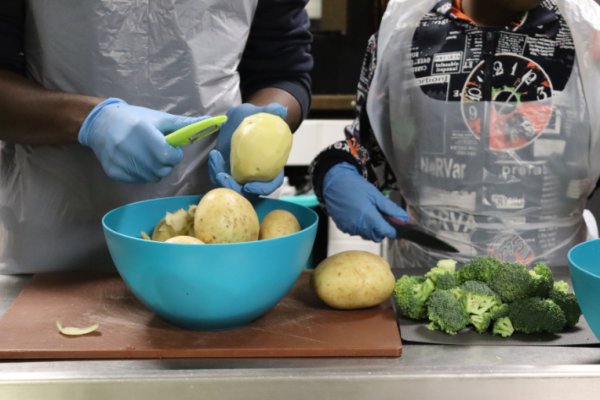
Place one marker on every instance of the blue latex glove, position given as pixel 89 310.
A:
pixel 219 163
pixel 355 205
pixel 130 141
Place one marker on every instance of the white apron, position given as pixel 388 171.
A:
pixel 178 56
pixel 488 200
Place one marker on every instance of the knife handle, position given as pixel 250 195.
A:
pixel 394 221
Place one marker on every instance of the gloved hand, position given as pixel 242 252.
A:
pixel 355 205
pixel 219 163
pixel 220 177
pixel 130 141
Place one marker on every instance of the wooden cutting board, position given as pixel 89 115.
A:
pixel 299 326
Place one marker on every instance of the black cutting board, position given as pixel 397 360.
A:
pixel 416 331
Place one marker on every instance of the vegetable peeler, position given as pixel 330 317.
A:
pixel 414 234
pixel 195 131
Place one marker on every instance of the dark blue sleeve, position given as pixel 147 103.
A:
pixel 277 52
pixel 12 21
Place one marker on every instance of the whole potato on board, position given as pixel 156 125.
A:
pixel 278 223
pixel 353 279
pixel 260 148
pixel 224 216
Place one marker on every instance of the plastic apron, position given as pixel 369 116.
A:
pixel 179 57
pixel 491 201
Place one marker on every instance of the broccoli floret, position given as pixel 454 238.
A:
pixel 534 315
pixel 443 275
pixel 503 327
pixel 561 286
pixel 445 281
pixel 432 327
pixel 568 304
pixel 499 311
pixel 448 265
pixel 411 293
pixel 540 285
pixel 442 278
pixel 478 298
pixel 542 281
pixel 512 282
pixel 478 269
pixel 542 269
pixel 447 312
pixel 481 322
pixel 456 292
pixel 478 288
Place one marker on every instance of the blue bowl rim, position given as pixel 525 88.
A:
pixel 207 244
pixel 574 264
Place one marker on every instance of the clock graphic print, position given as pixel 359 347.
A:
pixel 521 102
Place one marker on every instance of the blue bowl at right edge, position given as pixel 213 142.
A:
pixel 584 265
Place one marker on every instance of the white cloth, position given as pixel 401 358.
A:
pixel 179 57
pixel 591 224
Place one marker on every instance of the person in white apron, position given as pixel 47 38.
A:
pixel 480 117
pixel 83 123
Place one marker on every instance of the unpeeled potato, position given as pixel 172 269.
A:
pixel 260 148
pixel 278 223
pixel 353 279
pixel 224 216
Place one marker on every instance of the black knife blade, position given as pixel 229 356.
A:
pixel 414 234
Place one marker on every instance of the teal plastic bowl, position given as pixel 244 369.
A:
pixel 211 286
pixel 584 265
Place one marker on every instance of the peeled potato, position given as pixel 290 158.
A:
pixel 184 240
pixel 353 279
pixel 224 216
pixel 278 223
pixel 260 148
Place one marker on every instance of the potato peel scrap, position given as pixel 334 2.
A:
pixel 75 331
pixel 145 236
pixel 177 220
pixel 179 223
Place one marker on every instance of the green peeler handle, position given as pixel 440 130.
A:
pixel 184 135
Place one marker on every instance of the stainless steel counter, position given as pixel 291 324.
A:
pixel 423 372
